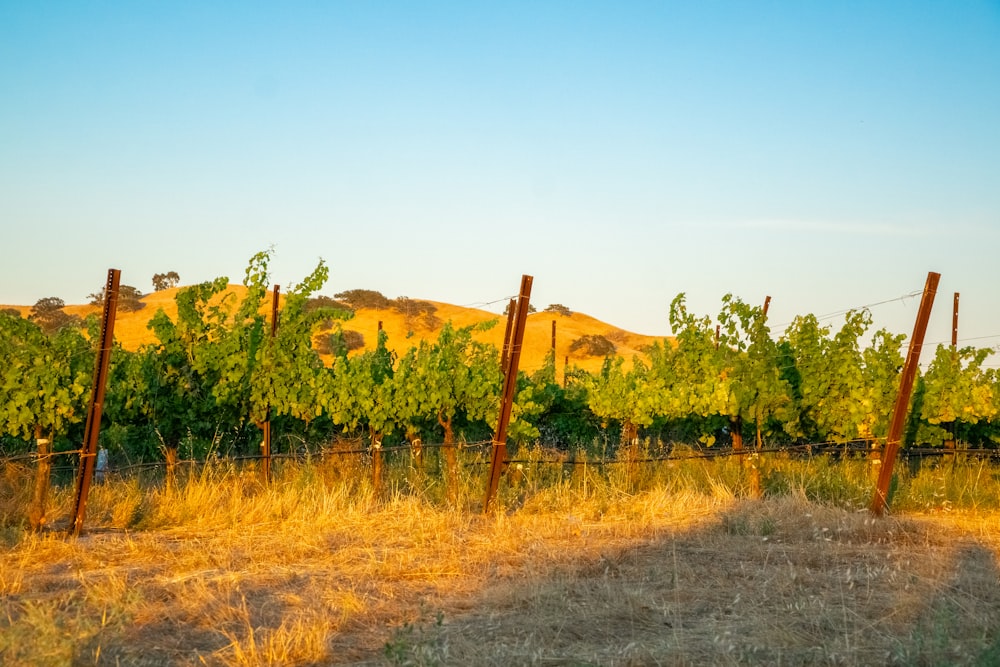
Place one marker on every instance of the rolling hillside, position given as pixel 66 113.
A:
pixel 132 331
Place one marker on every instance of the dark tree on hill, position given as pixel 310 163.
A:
pixel 412 309
pixel 615 335
pixel 364 298
pixel 353 340
pixel 340 342
pixel 13 312
pixel 593 345
pixel 162 281
pixel 48 314
pixel 324 344
pixel 317 302
pixel 129 299
pixel 531 309
pixel 559 309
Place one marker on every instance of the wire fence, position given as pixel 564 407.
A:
pixel 553 457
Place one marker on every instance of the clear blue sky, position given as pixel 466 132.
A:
pixel 826 154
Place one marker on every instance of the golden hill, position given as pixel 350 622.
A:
pixel 132 332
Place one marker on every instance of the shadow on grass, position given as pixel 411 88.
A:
pixel 763 583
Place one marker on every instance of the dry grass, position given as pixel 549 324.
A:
pixel 314 570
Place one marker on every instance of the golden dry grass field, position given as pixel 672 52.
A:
pixel 590 569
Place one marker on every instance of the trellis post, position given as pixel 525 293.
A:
pixel 88 452
pixel 880 500
pixel 511 358
pixel 265 427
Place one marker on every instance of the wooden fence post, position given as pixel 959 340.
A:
pixel 43 480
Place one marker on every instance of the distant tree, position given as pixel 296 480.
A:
pixel 353 340
pixel 340 343
pixel 321 301
pixel 162 281
pixel 364 298
pixel 48 314
pixel 531 309
pixel 408 306
pixel 615 335
pixel 13 312
pixel 559 309
pixel 49 304
pixel 412 309
pixel 129 299
pixel 593 345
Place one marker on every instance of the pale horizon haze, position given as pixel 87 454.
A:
pixel 829 155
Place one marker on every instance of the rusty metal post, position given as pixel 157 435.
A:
pixel 950 426
pixel 505 350
pixel 265 444
pixel 718 330
pixel 265 449
pixel 554 372
pixel 499 453
pixel 880 500
pixel 88 454
pixel 376 452
pixel 274 310
pixel 767 304
pixel 954 323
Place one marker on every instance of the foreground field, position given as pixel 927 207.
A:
pixel 314 571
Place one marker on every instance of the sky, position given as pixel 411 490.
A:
pixel 828 155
